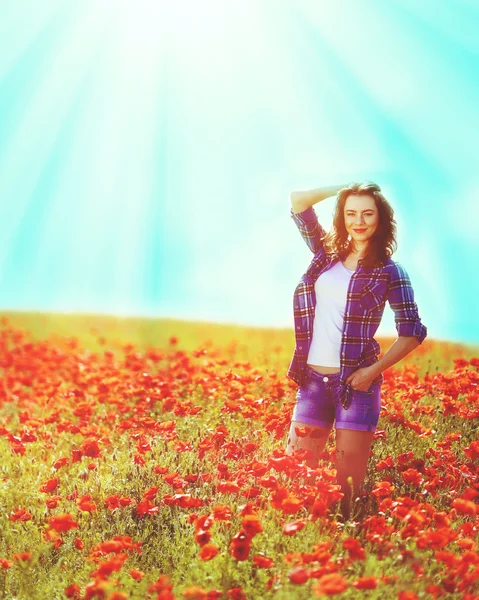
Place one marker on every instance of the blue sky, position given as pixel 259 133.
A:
pixel 148 151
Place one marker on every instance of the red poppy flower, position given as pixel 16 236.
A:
pixel 60 462
pixel 263 562
pixel 137 575
pixel 240 546
pixel 145 507
pixel 465 507
pixel 292 528
pixel 91 448
pixel 202 536
pixel 21 514
pixel 252 525
pixel 208 551
pixel 330 584
pixel 354 548
pixel 298 576
pixel 49 485
pixel 366 583
pixel 63 522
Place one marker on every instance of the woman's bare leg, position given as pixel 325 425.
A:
pixel 352 455
pixel 314 441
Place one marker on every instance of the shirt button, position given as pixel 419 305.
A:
pixel 297 327
pixel 325 378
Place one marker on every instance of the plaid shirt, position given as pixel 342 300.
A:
pixel 368 290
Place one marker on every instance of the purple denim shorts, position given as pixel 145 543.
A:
pixel 317 403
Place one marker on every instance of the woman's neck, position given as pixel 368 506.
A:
pixel 358 252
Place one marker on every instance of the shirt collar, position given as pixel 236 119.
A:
pixel 334 256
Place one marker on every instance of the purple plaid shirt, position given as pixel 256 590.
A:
pixel 368 290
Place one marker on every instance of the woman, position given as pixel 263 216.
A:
pixel 338 306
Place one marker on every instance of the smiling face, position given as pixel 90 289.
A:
pixel 360 213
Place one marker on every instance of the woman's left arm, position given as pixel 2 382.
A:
pixel 400 296
pixel 411 331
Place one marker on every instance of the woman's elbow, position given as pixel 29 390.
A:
pixel 411 340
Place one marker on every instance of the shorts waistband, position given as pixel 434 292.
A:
pixel 328 375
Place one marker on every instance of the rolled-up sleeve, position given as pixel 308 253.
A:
pixel 400 296
pixel 309 228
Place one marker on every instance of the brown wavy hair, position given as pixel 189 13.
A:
pixel 383 242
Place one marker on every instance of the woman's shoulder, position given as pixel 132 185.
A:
pixel 385 266
pixel 395 269
pixel 390 264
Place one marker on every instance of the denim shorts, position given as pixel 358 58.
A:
pixel 317 403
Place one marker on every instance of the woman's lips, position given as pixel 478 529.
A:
pixel 359 230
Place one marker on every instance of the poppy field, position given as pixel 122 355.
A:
pixel 154 467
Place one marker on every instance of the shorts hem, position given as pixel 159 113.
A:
pixel 355 426
pixel 310 421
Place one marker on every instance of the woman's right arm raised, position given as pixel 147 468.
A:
pixel 303 214
pixel 303 200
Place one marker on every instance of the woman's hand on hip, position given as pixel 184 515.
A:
pixel 361 379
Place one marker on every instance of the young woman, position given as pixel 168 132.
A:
pixel 338 306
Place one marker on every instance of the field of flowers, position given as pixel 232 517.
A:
pixel 152 465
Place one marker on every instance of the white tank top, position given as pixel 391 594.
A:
pixel 331 289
